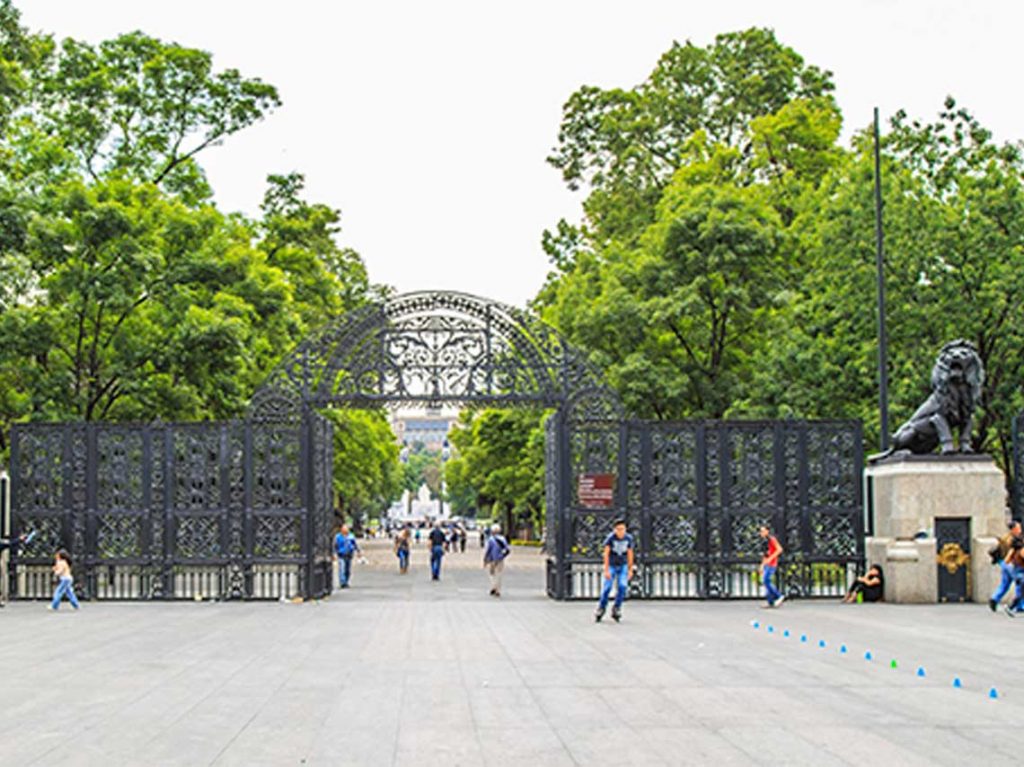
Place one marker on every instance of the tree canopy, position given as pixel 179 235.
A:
pixel 125 292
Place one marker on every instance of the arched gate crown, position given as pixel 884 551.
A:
pixel 430 348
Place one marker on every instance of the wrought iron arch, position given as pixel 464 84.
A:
pixel 430 348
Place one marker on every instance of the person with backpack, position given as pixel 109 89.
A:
pixel 345 547
pixel 496 551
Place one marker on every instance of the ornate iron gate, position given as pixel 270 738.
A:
pixel 243 509
pixel 695 494
pixel 175 511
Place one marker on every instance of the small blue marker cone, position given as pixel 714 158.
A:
pixel 957 683
pixel 785 633
pixel 803 637
pixel 867 655
pixel 993 694
pixel 821 643
pixel 756 625
pixel 842 649
pixel 771 629
pixel 920 670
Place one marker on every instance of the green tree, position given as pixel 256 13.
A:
pixel 684 256
pixel 138 106
pixel 499 461
pixel 954 250
pixel 367 474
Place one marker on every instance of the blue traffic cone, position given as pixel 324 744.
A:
pixel 842 649
pixel 821 643
pixel 755 624
pixel 867 655
pixel 785 633
pixel 803 637
pixel 920 670
pixel 957 683
pixel 993 694
pixel 771 629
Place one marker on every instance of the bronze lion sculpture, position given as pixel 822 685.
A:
pixel 957 378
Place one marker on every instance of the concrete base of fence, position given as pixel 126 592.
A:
pixel 955 505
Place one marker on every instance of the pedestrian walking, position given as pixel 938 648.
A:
pixel 483 537
pixel 998 553
pixel 436 551
pixel 402 550
pixel 618 554
pixel 417 536
pixel 345 547
pixel 769 565
pixel 1015 559
pixel 462 540
pixel 65 581
pixel 494 558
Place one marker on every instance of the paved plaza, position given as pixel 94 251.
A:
pixel 404 671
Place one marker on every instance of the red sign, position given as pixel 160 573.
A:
pixel 597 491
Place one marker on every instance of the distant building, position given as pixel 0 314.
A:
pixel 430 428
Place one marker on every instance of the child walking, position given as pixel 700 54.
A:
pixel 65 582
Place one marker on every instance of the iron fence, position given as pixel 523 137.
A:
pixel 695 494
pixel 233 510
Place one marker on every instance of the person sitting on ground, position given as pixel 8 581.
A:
pixel 870 586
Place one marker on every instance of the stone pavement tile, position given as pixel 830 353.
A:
pixel 534 746
pixel 657 673
pixel 691 746
pixel 499 672
pixel 607 672
pixel 356 707
pixel 429 745
pixel 433 673
pixel 571 707
pixel 436 706
pixel 506 707
pixel 642 706
pixel 545 673
pixel 945 706
pixel 343 742
pixel 777 745
pixel 361 674
pixel 608 743
pixel 199 735
pixel 862 745
pixel 709 706
pixel 946 746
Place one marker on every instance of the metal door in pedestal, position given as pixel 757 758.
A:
pixel 953 557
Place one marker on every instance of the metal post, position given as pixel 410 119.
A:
pixel 5 532
pixel 883 353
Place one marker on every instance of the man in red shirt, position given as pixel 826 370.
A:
pixel 769 564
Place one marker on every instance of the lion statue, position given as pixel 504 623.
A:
pixel 957 379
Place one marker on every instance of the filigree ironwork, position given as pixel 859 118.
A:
pixel 434 348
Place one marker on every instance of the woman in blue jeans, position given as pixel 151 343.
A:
pixel 65 582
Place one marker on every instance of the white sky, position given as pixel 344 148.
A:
pixel 427 123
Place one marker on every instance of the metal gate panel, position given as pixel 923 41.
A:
pixel 695 494
pixel 229 510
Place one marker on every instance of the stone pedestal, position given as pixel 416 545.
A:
pixel 910 492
